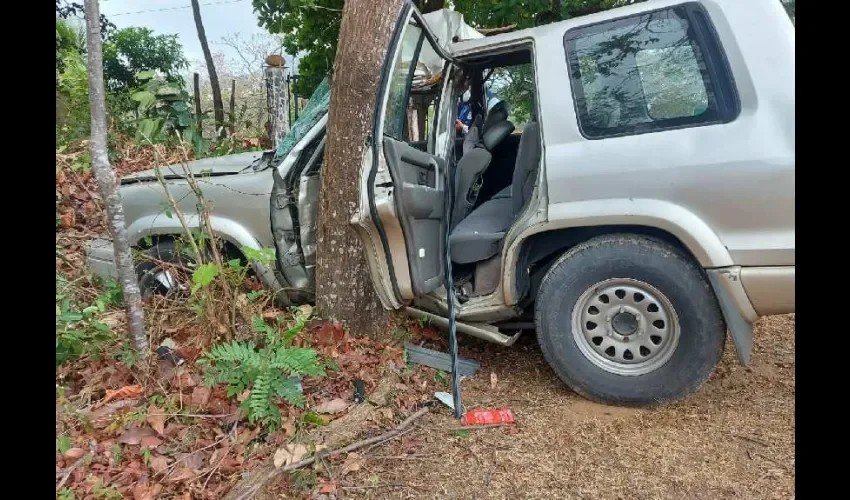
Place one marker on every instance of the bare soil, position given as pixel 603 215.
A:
pixel 732 439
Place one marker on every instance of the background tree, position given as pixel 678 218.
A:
pixel 218 104
pixel 344 290
pixel 311 29
pixel 108 184
pixel 67 10
pixel 129 51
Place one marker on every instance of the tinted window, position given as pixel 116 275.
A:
pixel 659 70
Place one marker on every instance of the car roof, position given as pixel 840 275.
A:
pixel 468 47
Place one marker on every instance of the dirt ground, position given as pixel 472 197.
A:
pixel 732 439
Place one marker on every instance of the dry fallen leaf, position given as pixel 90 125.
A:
pixel 135 435
pixel 156 418
pixel 146 491
pixel 101 417
pixel 150 442
pixel 287 428
pixel 333 406
pixel 353 463
pixel 329 487
pixel 200 396
pixel 289 454
pixel 244 395
pixel 158 464
pixel 74 453
pixel 182 475
pixel 126 392
pixel 493 380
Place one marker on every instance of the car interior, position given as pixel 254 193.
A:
pixel 495 169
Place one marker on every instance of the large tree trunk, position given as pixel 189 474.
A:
pixel 344 290
pixel 108 185
pixel 218 103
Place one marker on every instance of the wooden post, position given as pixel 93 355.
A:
pixel 276 99
pixel 198 117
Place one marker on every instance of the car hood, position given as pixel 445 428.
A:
pixel 207 167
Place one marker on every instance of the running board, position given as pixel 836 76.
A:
pixel 482 331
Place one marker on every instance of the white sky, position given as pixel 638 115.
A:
pixel 220 18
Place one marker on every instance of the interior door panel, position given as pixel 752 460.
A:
pixel 418 183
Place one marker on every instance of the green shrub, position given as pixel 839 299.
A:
pixel 269 371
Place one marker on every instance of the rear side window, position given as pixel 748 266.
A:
pixel 654 71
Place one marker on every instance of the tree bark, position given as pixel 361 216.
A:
pixel 198 117
pixel 108 184
pixel 344 290
pixel 218 103
pixel 232 107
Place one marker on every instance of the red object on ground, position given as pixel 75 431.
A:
pixel 484 417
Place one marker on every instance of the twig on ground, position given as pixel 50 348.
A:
pixel 171 467
pixel 752 440
pixel 68 472
pixel 191 415
pixel 352 447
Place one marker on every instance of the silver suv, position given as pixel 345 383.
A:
pixel 630 197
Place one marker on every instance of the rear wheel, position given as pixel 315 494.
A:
pixel 629 320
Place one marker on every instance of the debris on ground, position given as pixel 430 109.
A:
pixel 439 360
pixel 488 417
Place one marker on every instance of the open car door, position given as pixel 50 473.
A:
pixel 401 215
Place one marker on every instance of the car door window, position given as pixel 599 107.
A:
pixel 515 86
pixel 406 69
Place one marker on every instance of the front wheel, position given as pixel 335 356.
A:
pixel 629 320
pixel 164 269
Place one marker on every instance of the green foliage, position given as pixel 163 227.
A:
pixel 69 38
pixel 131 51
pixel 264 256
pixel 72 99
pixel 311 27
pixel 63 443
pixel 78 332
pixel 99 490
pixel 268 372
pixel 203 276
pixel 65 494
pixel 66 10
pixel 162 111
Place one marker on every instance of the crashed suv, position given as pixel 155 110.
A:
pixel 630 198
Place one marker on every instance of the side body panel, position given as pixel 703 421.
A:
pixel 735 180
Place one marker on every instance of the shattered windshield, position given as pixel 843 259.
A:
pixel 313 112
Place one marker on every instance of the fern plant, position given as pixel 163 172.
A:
pixel 269 371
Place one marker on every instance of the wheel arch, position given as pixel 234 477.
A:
pixel 538 250
pixel 155 229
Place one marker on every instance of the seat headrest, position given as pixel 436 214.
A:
pixel 496 134
pixel 498 113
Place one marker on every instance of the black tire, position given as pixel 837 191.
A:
pixel 702 330
pixel 153 260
